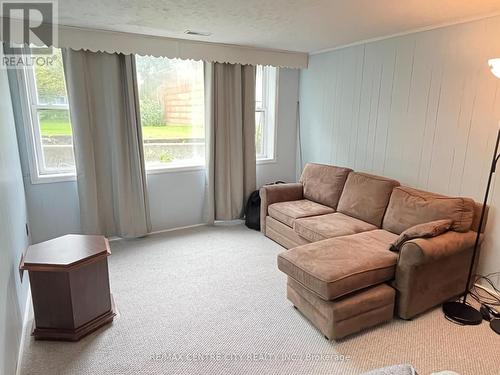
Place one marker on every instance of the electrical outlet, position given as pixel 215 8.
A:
pixel 21 271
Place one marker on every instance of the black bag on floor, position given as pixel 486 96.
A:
pixel 252 209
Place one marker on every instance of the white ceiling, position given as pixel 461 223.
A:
pixel 294 25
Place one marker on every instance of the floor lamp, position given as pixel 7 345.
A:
pixel 461 312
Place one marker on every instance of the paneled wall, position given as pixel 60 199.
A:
pixel 422 108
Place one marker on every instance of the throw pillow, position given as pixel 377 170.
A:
pixel 425 230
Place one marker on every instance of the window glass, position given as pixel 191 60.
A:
pixel 50 84
pixel 265 102
pixel 56 140
pixel 171 95
pixel 50 119
pixel 259 133
pixel 258 87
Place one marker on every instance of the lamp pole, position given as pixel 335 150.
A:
pixel 483 211
pixel 461 312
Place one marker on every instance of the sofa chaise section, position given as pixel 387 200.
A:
pixel 338 283
pixel 338 266
pixel 346 315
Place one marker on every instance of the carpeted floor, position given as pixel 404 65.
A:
pixel 210 300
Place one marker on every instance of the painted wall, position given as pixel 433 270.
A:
pixel 13 237
pixel 176 198
pixel 421 108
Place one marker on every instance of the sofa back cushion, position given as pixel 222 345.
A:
pixel 324 183
pixel 365 197
pixel 409 207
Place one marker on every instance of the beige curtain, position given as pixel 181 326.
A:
pixel 111 174
pixel 230 138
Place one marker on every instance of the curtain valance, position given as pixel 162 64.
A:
pixel 127 43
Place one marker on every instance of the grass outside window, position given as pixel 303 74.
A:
pixel 167 131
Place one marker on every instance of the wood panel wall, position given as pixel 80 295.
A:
pixel 421 108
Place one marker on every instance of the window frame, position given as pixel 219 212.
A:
pixel 269 109
pixel 30 107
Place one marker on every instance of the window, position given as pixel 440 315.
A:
pixel 171 95
pixel 265 109
pixel 50 137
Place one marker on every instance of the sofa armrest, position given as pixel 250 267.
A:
pixel 270 194
pixel 431 271
pixel 423 250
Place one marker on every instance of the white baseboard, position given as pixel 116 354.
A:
pixel 179 228
pixel 230 222
pixel 218 222
pixel 26 320
pixel 111 239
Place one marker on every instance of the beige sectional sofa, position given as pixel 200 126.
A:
pixel 338 226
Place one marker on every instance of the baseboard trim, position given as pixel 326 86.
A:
pixel 26 317
pixel 218 222
pixel 229 223
pixel 178 228
pixel 114 238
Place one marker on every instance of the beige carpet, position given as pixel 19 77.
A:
pixel 210 300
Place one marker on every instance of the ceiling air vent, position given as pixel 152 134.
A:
pixel 197 33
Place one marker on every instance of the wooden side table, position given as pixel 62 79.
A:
pixel 69 286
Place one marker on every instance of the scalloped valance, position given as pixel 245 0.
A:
pixel 127 43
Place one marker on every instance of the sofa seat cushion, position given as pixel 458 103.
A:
pixel 283 234
pixel 317 228
pixel 409 207
pixel 287 212
pixel 366 196
pixel 338 266
pixel 324 183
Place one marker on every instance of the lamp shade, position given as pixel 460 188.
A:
pixel 495 66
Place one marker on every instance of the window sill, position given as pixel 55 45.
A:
pixel 175 169
pixel 55 178
pixel 52 178
pixel 266 161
